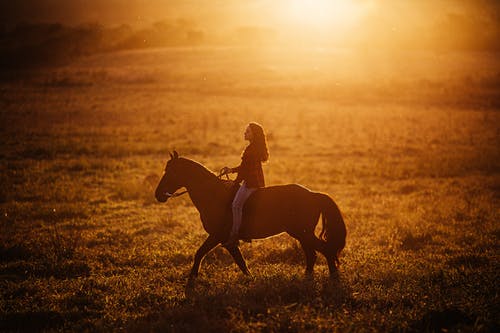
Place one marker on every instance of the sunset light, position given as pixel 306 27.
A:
pixel 324 14
pixel 249 165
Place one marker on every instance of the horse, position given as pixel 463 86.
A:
pixel 269 211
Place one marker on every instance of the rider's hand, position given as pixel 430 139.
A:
pixel 225 170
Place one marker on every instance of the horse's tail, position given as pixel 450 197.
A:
pixel 333 230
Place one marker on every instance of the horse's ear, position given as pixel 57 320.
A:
pixel 176 155
pixel 171 156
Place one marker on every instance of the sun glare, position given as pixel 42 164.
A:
pixel 323 14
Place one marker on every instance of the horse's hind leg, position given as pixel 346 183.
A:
pixel 307 244
pixel 330 257
pixel 238 258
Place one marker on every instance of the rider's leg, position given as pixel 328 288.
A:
pixel 238 203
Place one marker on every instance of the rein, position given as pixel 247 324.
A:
pixel 222 174
pixel 175 195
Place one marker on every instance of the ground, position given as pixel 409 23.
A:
pixel 406 143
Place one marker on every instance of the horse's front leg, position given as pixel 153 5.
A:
pixel 207 245
pixel 238 258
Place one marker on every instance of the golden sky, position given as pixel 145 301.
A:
pixel 372 22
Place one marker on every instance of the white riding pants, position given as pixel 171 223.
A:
pixel 238 203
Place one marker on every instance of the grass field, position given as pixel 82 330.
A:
pixel 407 143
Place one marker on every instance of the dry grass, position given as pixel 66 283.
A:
pixel 413 164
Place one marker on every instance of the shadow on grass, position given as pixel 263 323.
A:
pixel 31 321
pixel 274 302
pixel 44 320
pixel 291 255
pixel 14 253
pixel 443 321
pixel 472 261
pixel 23 270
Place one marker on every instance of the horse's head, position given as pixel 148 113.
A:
pixel 171 180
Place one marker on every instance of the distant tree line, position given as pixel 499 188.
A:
pixel 49 44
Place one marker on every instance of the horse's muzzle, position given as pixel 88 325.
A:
pixel 162 197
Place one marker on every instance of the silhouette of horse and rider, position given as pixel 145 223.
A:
pixel 230 212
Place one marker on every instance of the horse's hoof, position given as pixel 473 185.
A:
pixel 188 291
pixel 334 275
pixel 191 280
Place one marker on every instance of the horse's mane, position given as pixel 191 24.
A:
pixel 205 172
pixel 198 166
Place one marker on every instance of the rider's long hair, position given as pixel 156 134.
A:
pixel 259 141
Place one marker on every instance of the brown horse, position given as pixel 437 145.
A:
pixel 268 211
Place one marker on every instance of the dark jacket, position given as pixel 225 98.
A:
pixel 250 169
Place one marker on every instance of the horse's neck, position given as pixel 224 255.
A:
pixel 203 187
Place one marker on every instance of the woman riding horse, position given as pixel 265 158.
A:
pixel 250 175
pixel 269 211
